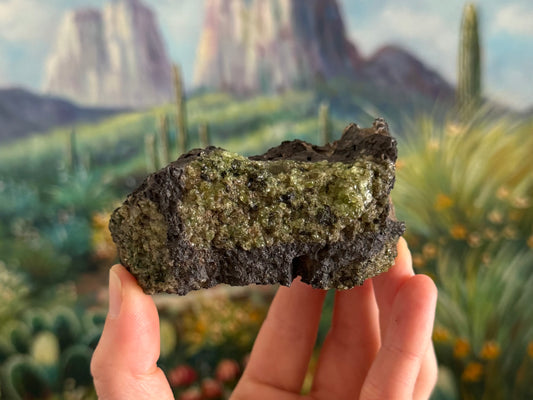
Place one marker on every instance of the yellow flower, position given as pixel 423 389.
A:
pixel 400 164
pixel 455 129
pixel 530 349
pixel 433 144
pixel 100 220
pixel 502 193
pixel 200 327
pixel 254 316
pixel 429 251
pixel 496 217
pixel 509 232
pixel 418 260
pixel 474 240
pixel 490 234
pixel 102 243
pixel 458 231
pixel 472 372
pixel 530 242
pixel 520 202
pixel 441 335
pixel 490 351
pixel 461 348
pixel 486 258
pixel 443 202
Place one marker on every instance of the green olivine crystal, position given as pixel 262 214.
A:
pixel 249 204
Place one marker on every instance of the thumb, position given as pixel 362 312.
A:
pixel 124 363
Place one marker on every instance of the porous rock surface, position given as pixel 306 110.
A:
pixel 319 212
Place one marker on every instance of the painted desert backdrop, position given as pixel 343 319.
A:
pixel 97 94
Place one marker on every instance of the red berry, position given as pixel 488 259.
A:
pixel 191 394
pixel 182 376
pixel 211 389
pixel 227 371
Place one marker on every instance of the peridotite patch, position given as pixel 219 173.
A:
pixel 245 204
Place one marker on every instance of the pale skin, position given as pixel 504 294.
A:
pixel 378 348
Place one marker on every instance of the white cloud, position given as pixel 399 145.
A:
pixel 26 21
pixel 3 76
pixel 181 19
pixel 424 33
pixel 515 19
pixel 181 23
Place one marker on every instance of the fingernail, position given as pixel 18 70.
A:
pixel 115 294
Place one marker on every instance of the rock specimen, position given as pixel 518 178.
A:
pixel 115 57
pixel 322 213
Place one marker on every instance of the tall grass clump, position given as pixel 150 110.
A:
pixel 465 192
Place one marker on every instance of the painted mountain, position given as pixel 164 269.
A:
pixel 23 113
pixel 114 57
pixel 250 46
pixel 267 45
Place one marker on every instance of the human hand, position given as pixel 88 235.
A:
pixel 379 345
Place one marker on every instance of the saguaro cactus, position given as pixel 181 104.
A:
pixel 164 152
pixel 324 123
pixel 181 112
pixel 150 153
pixel 469 78
pixel 203 134
pixel 66 327
pixel 75 364
pixel 72 151
pixel 24 379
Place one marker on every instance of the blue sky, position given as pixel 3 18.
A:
pixel 429 29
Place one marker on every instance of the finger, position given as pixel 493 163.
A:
pixel 395 370
pixel 124 363
pixel 386 285
pixel 427 377
pixel 284 345
pixel 351 345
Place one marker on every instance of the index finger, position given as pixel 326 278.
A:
pixel 405 343
pixel 284 345
pixel 387 285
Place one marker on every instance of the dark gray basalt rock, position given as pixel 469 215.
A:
pixel 319 212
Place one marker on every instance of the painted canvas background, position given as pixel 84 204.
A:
pixel 96 94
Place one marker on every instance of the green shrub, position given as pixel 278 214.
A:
pixel 6 349
pixel 82 192
pixel 37 319
pixel 13 293
pixel 91 338
pixel 18 200
pixel 93 319
pixel 66 327
pixel 76 365
pixel 37 258
pixel 18 334
pixel 23 379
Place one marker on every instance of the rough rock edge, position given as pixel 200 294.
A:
pixel 180 268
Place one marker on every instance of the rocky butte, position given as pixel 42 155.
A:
pixel 251 46
pixel 266 45
pixel 110 57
